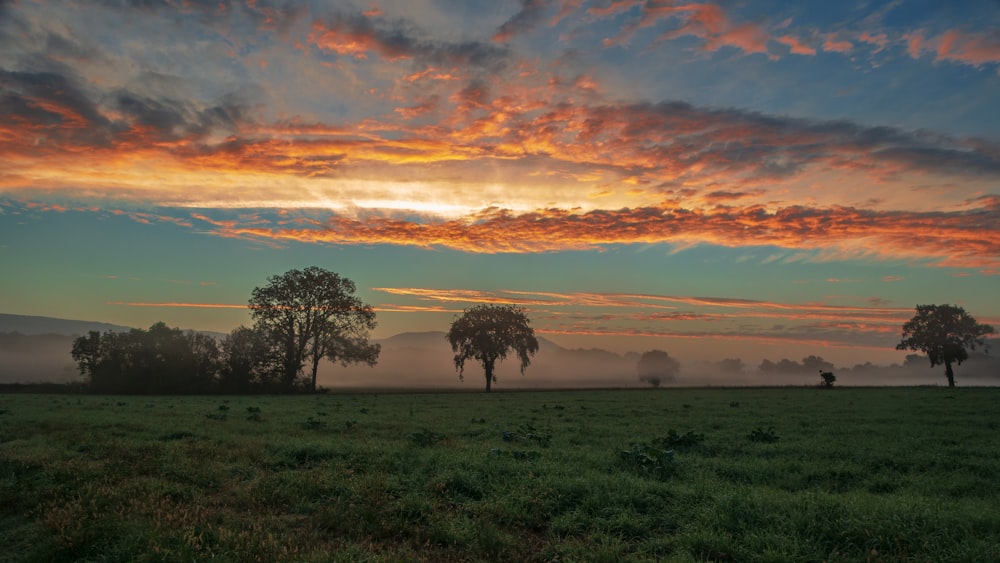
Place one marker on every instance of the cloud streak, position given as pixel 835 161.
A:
pixel 966 239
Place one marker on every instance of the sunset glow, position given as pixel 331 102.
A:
pixel 714 179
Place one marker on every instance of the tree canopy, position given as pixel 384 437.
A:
pixel 945 333
pixel 158 360
pixel 656 367
pixel 311 314
pixel 487 333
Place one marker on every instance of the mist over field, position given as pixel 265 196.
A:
pixel 36 349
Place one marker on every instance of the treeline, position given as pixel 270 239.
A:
pixel 165 360
pixel 300 318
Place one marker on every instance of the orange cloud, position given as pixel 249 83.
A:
pixel 614 7
pixel 710 23
pixel 961 239
pixel 349 42
pixel 182 305
pixel 729 337
pixel 566 7
pixel 796 45
pixel 974 49
pixel 833 44
pixel 745 307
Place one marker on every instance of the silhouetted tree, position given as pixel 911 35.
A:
pixel 827 379
pixel 313 314
pixel 945 333
pixel 487 333
pixel 656 366
pixel 246 362
pixel 158 360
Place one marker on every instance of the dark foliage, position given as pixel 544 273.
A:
pixel 160 360
pixel 945 333
pixel 308 315
pixel 488 333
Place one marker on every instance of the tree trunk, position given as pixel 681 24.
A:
pixel 488 365
pixel 949 373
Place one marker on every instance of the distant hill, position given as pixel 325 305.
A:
pixel 31 325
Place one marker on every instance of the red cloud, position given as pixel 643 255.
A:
pixel 710 23
pixel 357 43
pixel 974 49
pixel 836 45
pixel 966 239
pixel 796 45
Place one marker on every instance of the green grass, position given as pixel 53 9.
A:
pixel 842 475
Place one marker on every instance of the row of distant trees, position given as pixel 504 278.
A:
pixel 946 333
pixel 300 318
pixel 305 316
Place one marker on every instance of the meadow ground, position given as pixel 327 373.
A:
pixel 784 474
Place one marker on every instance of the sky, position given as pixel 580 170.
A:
pixel 754 179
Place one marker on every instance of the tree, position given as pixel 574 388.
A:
pixel 487 333
pixel 945 333
pixel 827 379
pixel 656 366
pixel 309 315
pixel 158 360
pixel 246 363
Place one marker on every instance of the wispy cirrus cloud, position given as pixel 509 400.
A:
pixel 639 301
pixel 967 239
pixel 686 317
pixel 360 36
pixel 168 304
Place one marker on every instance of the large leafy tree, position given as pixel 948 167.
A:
pixel 945 333
pixel 309 315
pixel 487 333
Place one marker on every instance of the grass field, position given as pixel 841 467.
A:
pixel 755 475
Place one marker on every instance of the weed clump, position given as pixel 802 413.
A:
pixel 763 436
pixel 529 433
pixel 679 440
pixel 426 438
pixel 649 459
pixel 177 436
pixel 529 456
pixel 313 424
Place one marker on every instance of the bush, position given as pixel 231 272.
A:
pixel 764 436
pixel 686 440
pixel 529 433
pixel 426 438
pixel 649 459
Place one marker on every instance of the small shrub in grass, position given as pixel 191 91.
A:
pixel 679 440
pixel 529 433
pixel 763 436
pixel 313 424
pixel 426 438
pixel 529 456
pixel 649 459
pixel 176 436
pixel 216 416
